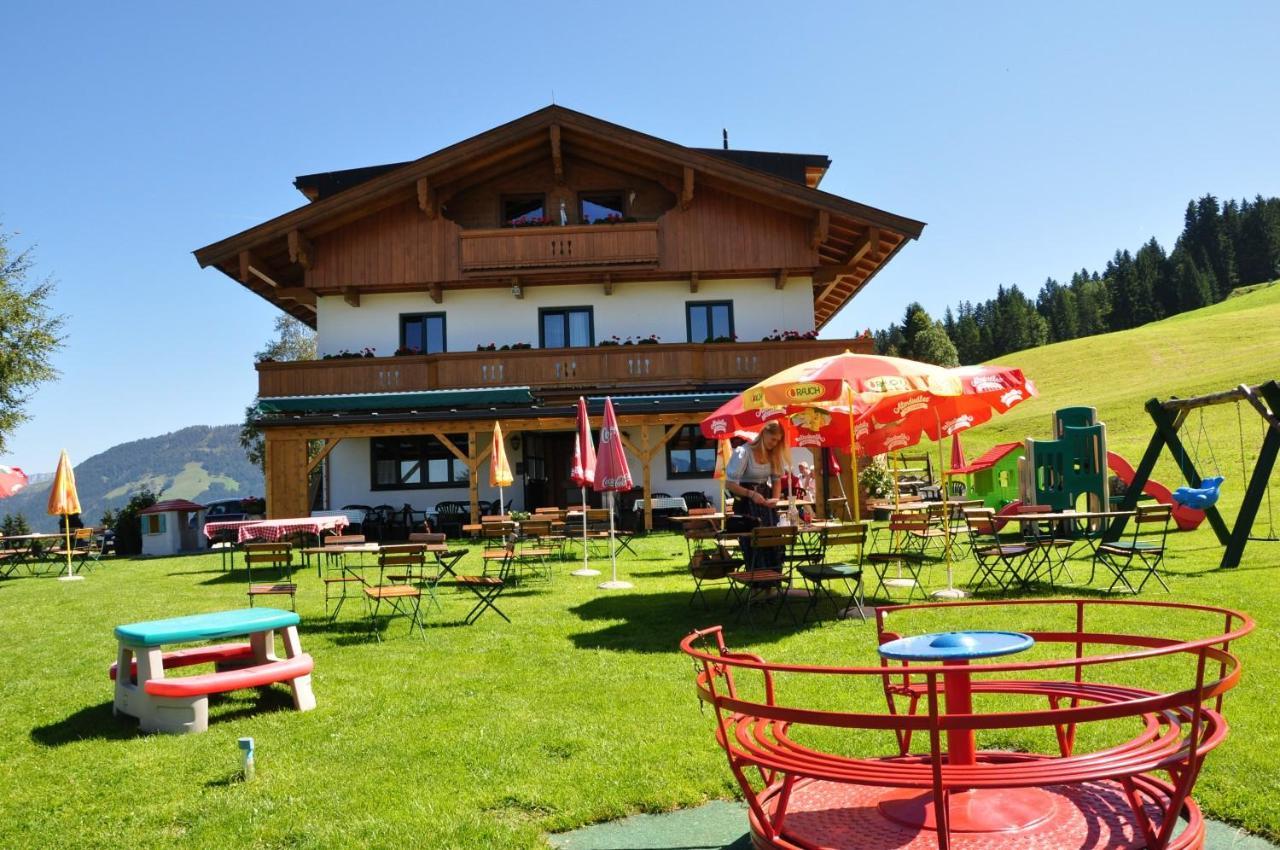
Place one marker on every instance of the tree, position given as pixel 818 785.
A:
pixel 125 522
pixel 29 335
pixel 915 322
pixel 293 341
pixel 932 345
pixel 1192 286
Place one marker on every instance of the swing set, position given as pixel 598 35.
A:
pixel 1169 417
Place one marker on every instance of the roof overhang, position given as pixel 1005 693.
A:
pixel 263 259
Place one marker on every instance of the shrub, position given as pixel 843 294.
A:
pixel 126 526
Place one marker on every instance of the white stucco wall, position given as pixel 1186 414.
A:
pixel 479 317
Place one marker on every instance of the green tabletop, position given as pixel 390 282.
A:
pixel 211 626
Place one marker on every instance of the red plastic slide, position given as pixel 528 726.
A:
pixel 1187 519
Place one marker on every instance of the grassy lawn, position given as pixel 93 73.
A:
pixel 483 736
pixel 582 709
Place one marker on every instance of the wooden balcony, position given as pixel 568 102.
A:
pixel 547 371
pixel 533 248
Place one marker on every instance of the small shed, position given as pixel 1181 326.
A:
pixel 171 527
pixel 993 475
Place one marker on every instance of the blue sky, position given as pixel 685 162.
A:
pixel 1032 138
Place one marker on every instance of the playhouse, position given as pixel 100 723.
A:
pixel 171 527
pixel 993 475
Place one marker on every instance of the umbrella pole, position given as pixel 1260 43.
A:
pixel 853 464
pixel 501 501
pixel 586 567
pixel 66 519
pixel 613 583
pixel 951 591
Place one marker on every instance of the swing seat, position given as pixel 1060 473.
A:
pixel 1199 498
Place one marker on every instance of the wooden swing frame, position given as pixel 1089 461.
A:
pixel 1169 417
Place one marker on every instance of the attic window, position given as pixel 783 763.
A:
pixel 523 209
pixel 599 207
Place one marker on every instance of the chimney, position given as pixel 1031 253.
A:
pixel 725 132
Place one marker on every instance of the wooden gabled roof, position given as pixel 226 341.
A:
pixel 853 240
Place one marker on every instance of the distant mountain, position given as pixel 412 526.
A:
pixel 199 463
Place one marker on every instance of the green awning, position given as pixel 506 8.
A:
pixel 425 400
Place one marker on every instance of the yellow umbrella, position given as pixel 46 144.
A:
pixel 64 501
pixel 499 468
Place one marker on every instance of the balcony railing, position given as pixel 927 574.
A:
pixel 559 247
pixel 619 367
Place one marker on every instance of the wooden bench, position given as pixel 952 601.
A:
pixel 792 753
pixel 181 704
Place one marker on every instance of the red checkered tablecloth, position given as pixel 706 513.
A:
pixel 277 529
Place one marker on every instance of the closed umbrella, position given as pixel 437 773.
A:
pixel 612 475
pixel 64 501
pixel 12 479
pixel 499 468
pixel 583 473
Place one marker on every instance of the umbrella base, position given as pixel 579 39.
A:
pixel 949 593
pixel 585 571
pixel 70 578
pixel 616 585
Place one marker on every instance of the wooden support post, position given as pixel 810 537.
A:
pixel 819 484
pixel 693 281
pixel 1270 392
pixel 821 226
pixel 428 200
pixel 646 467
pixel 328 446
pixel 473 480
pixel 780 279
pixel 286 476
pixel 300 249
pixel 557 161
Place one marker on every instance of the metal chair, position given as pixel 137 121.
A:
pixel 764 576
pixel 1134 555
pixel 998 559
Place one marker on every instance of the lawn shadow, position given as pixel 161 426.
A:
pixel 98 722
pixel 656 622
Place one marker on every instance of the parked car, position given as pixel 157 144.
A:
pixel 233 510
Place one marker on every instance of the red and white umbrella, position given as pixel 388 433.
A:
pixel 12 479
pixel 583 474
pixel 612 475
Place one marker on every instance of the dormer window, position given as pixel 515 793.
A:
pixel 600 207
pixel 519 210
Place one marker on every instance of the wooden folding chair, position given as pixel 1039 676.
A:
pixel 277 556
pixel 842 548
pixel 488 588
pixel 907 535
pixel 764 576
pixel 1134 555
pixel 533 550
pixel 999 561
pixel 398 566
pixel 697 533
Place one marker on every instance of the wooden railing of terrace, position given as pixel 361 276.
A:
pixel 631 367
pixel 559 247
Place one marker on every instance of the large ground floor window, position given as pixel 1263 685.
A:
pixel 416 463
pixel 691 455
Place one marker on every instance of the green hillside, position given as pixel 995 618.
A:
pixel 197 463
pixel 1194 353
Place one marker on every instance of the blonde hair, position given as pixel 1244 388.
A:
pixel 780 457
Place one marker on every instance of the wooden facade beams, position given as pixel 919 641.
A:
pixel 351 295
pixel 780 279
pixel 557 158
pixel 436 292
pixel 301 251
pixel 693 282
pixel 821 229
pixel 298 295
pixel 428 198
pixel 686 188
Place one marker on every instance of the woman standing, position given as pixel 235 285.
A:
pixel 754 477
